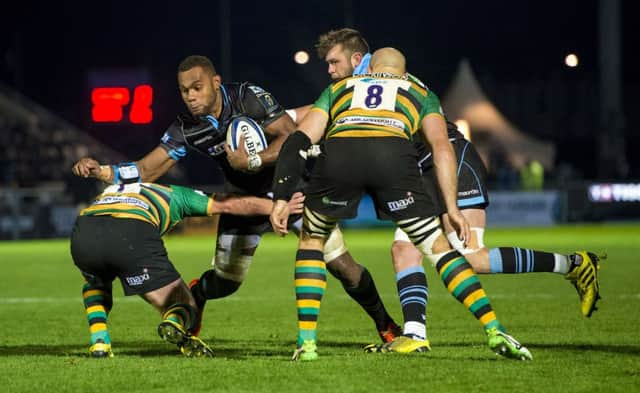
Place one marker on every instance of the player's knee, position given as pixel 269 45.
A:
pixel 404 251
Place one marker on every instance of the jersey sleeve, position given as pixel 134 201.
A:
pixel 187 202
pixel 323 103
pixel 260 105
pixel 173 141
pixel 431 105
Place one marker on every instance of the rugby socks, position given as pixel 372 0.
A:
pixel 310 283
pixel 462 282
pixel 97 304
pixel 181 314
pixel 213 286
pixel 412 289
pixel 521 260
pixel 367 296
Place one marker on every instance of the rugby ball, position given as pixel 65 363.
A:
pixel 254 138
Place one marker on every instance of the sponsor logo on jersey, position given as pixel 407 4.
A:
pixel 108 200
pixel 379 121
pixel 401 204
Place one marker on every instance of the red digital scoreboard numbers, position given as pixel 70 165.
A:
pixel 121 97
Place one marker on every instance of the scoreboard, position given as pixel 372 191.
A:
pixel 120 96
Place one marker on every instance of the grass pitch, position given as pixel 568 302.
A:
pixel 44 335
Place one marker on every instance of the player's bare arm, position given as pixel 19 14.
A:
pixel 434 129
pixel 149 168
pixel 252 206
pixel 297 114
pixel 314 125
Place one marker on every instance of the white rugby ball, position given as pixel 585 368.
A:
pixel 254 138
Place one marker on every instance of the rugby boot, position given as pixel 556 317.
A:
pixel 400 344
pixel 584 277
pixel 503 344
pixel 100 349
pixel 306 352
pixel 189 345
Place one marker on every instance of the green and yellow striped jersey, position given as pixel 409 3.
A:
pixel 376 105
pixel 161 206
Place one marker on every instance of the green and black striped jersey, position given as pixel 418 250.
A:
pixel 161 206
pixel 376 105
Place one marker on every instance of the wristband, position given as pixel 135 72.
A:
pixel 125 173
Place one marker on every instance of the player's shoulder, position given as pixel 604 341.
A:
pixel 246 89
pixel 257 103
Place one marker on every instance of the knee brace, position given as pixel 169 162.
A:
pixel 234 254
pixel 334 246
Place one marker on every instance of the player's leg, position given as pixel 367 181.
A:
pixel 310 280
pixel 98 299
pixel 331 194
pixel 502 259
pixel 237 241
pixel 515 260
pixel 411 283
pixel 87 242
pixel 179 316
pixel 463 284
pixel 359 285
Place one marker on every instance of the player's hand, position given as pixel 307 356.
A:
pixel 461 225
pixel 279 217
pixel 86 167
pixel 296 203
pixel 239 159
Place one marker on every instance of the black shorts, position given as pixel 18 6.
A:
pixel 104 247
pixel 472 177
pixel 384 168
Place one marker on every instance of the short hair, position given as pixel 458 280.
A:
pixel 197 61
pixel 350 39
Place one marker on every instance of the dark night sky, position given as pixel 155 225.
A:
pixel 55 43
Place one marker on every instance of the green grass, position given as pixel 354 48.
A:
pixel 44 335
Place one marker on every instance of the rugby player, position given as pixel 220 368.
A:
pixel 370 121
pixel 119 235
